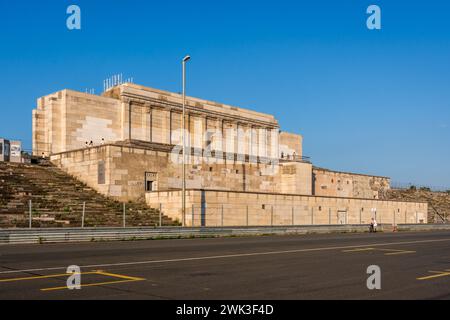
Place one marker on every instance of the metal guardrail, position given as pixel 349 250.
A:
pixel 36 236
pixel 295 158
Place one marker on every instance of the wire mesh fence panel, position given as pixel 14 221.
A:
pixel 74 213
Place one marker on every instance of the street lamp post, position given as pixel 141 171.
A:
pixel 183 196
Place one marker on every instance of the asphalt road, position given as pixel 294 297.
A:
pixel 413 266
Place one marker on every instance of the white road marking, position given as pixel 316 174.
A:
pixel 251 254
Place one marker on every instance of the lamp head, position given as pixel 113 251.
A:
pixel 187 58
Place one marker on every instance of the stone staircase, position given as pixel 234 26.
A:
pixel 57 201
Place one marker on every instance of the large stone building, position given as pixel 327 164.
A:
pixel 126 144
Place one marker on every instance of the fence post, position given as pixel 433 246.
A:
pixel 124 215
pixel 192 223
pixel 360 216
pixel 82 216
pixel 160 214
pixel 30 217
pixel 222 215
pixel 271 217
pixel 246 214
pixel 293 223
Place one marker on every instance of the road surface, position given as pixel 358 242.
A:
pixel 334 266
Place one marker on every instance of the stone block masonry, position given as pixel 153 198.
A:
pixel 227 208
pixel 241 168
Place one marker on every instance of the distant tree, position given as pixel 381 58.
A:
pixel 425 189
pixel 413 188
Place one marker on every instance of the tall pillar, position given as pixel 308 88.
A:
pixel 170 126
pixel 129 120
pixel 151 124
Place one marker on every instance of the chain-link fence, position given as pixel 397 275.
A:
pixel 45 213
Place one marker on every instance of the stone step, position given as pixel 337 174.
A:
pixel 57 199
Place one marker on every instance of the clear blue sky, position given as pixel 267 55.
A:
pixel 376 102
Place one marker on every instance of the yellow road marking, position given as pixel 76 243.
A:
pixel 93 284
pixel 439 274
pixel 114 275
pixel 46 277
pixel 97 272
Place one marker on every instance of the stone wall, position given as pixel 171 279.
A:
pixel 66 120
pixel 343 184
pixel 216 208
pixel 118 171
pixel 290 145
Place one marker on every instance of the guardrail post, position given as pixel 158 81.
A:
pixel 160 214
pixel 124 215
pixel 360 216
pixel 82 216
pixel 30 214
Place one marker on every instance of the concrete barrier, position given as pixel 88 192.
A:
pixel 30 236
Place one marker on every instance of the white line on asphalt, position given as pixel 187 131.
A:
pixel 251 254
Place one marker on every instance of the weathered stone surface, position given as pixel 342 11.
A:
pixel 57 201
pixel 217 207
pixel 239 155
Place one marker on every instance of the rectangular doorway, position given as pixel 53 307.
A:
pixel 342 217
pixel 150 181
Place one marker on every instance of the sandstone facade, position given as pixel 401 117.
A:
pixel 227 208
pixel 127 145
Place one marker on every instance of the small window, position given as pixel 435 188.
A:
pixel 101 172
pixel 149 186
pixel 264 207
pixel 237 171
pixel 210 169
pixel 320 208
pixel 332 180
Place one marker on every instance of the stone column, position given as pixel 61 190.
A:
pixel 170 126
pixel 129 120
